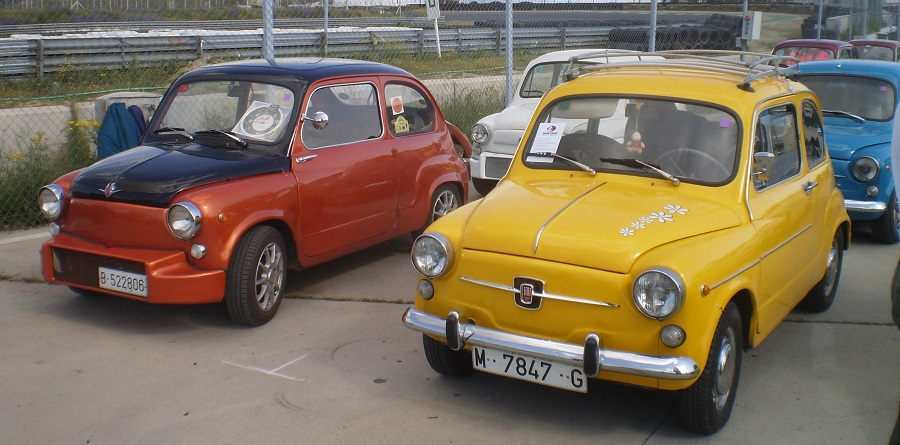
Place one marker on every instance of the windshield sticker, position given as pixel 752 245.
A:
pixel 546 142
pixel 667 215
pixel 397 105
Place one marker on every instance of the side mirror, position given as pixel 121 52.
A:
pixel 763 163
pixel 319 119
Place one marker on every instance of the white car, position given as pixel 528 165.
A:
pixel 495 137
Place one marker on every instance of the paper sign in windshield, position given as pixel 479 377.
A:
pixel 546 141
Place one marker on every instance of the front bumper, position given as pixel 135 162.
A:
pixel 591 356
pixel 170 278
pixel 853 205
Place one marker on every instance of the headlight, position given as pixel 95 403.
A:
pixel 658 293
pixel 480 133
pixel 865 168
pixel 432 254
pixel 184 220
pixel 52 201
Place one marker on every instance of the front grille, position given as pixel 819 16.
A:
pixel 495 168
pixel 81 268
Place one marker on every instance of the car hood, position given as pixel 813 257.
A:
pixel 601 225
pixel 846 137
pixel 516 116
pixel 152 176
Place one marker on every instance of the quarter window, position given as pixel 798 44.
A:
pixel 408 110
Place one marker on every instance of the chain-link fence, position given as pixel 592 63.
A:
pixel 63 61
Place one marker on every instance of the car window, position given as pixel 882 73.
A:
pixel 252 110
pixel 353 115
pixel 694 142
pixel 776 133
pixel 408 110
pixel 805 53
pixel 844 93
pixel 814 137
pixel 543 76
pixel 875 52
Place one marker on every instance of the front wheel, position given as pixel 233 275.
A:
pixel 255 277
pixel 820 298
pixel 886 229
pixel 483 186
pixel 446 361
pixel 706 405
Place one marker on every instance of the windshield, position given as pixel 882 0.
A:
pixel 541 77
pixel 805 53
pixel 631 135
pixel 875 52
pixel 251 111
pixel 843 93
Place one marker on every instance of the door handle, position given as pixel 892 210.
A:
pixel 807 188
pixel 303 159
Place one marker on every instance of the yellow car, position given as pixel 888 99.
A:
pixel 651 259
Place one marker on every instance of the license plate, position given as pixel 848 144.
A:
pixel 531 369
pixel 121 281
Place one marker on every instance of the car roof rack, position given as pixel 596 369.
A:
pixel 752 65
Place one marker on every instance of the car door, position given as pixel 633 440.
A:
pixel 346 174
pixel 782 210
pixel 415 135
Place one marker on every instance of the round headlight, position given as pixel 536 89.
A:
pixel 432 254
pixel 51 200
pixel 184 220
pixel 480 133
pixel 865 168
pixel 658 293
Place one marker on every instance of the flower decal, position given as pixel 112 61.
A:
pixel 667 215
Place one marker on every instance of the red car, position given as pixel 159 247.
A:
pixel 877 49
pixel 812 49
pixel 250 168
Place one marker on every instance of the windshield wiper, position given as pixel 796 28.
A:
pixel 570 161
pixel 242 143
pixel 179 131
pixel 628 162
pixel 844 114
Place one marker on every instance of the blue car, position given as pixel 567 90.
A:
pixel 859 102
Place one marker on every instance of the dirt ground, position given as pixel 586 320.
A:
pixel 776 27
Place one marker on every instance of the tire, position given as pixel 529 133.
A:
pixel 255 279
pixel 820 298
pixel 886 229
pixel 83 292
pixel 446 361
pixel 444 200
pixel 706 405
pixel 483 186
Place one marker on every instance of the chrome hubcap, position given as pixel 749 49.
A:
pixel 445 203
pixel 725 368
pixel 269 276
pixel 831 268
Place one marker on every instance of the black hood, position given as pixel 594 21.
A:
pixel 152 176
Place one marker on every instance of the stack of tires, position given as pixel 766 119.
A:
pixel 718 32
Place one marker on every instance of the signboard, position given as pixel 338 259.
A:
pixel 434 9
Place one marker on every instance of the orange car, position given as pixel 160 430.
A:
pixel 247 169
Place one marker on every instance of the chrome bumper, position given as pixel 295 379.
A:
pixel 864 206
pixel 591 356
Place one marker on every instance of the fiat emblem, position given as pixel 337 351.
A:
pixel 110 189
pixel 527 292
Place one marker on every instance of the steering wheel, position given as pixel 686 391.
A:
pixel 688 162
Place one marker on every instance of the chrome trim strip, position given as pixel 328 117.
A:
pixel 537 239
pixel 546 295
pixel 732 276
pixel 668 368
pixel 785 242
pixel 864 206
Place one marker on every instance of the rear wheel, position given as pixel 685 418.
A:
pixel 886 229
pixel 446 361
pixel 255 278
pixel 820 298
pixel 706 405
pixel 444 200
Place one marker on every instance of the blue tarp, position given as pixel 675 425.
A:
pixel 118 131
